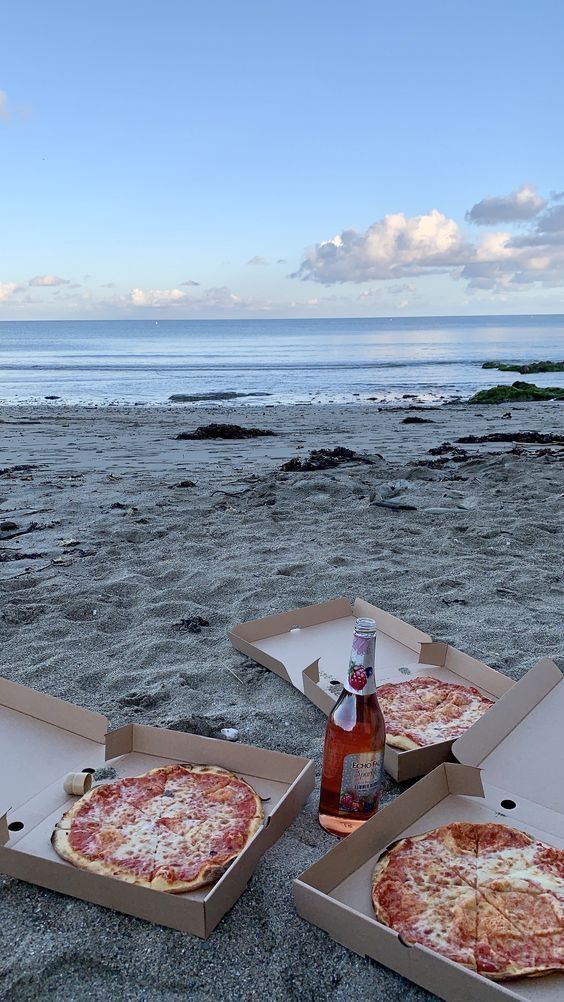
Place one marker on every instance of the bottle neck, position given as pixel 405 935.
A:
pixel 361 679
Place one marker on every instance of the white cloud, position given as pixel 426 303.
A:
pixel 257 259
pixel 398 246
pixel 523 203
pixel 156 298
pixel 502 262
pixel 392 247
pixel 4 109
pixel 7 290
pixel 48 280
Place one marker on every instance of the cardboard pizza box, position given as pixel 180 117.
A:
pixel 510 771
pixel 311 647
pixel 42 739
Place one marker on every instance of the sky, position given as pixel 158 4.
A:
pixel 220 159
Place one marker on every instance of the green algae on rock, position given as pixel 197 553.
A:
pixel 525 368
pixel 518 391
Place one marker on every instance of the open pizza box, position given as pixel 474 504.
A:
pixel 310 648
pixel 511 772
pixel 43 738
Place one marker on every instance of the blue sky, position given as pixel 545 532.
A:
pixel 292 159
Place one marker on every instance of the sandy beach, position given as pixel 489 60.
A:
pixel 120 553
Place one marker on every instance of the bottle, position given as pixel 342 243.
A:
pixel 353 754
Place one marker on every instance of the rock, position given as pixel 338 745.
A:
pixel 182 483
pixel 52 397
pixel 6 526
pixel 413 419
pixel 190 398
pixel 229 733
pixel 507 416
pixel 525 368
pixel 223 431
pixel 517 391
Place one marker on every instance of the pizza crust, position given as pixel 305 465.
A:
pixel 401 741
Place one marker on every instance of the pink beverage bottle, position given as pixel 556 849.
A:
pixel 355 736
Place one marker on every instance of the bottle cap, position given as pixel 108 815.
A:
pixel 77 783
pixel 364 625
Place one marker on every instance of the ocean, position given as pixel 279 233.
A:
pixel 291 361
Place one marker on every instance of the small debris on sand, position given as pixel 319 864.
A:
pixel 527 437
pixel 324 459
pixel 224 431
pixel 192 624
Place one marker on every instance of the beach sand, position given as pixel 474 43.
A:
pixel 477 564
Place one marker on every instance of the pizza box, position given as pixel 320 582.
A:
pixel 43 738
pixel 510 771
pixel 310 648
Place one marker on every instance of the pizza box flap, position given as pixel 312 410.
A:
pixel 41 739
pixel 518 743
pixel 290 642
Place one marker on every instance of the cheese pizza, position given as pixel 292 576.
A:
pixel 173 829
pixel 422 711
pixel 483 895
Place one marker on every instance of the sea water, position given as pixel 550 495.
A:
pixel 291 361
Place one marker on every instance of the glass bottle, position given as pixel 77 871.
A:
pixel 353 754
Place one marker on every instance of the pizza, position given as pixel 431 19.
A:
pixel 483 895
pixel 173 829
pixel 422 711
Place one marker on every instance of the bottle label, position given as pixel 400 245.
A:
pixel 361 680
pixel 360 783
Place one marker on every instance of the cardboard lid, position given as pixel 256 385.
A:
pixel 41 739
pixel 518 743
pixel 290 642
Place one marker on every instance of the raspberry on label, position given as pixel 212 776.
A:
pixel 358 679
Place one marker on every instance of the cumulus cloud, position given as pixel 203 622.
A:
pixel 522 204
pixel 502 261
pixel 257 259
pixel 190 282
pixel 401 247
pixel 393 247
pixel 7 290
pixel 48 280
